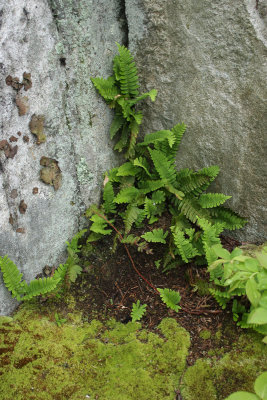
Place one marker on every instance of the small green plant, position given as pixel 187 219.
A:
pixel 243 277
pixel 59 321
pixel 22 291
pixel 148 184
pixel 260 387
pixel 138 311
pixel 170 298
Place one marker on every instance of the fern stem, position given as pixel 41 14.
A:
pixel 128 252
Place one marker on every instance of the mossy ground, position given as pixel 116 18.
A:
pixel 40 360
pixel 94 360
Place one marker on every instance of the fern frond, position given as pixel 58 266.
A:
pixel 142 163
pixel 158 136
pixel 127 169
pixel 191 209
pixel 164 167
pixel 229 218
pixel 178 131
pixel 156 236
pixel 60 272
pixel 210 238
pixel 150 185
pixel 134 129
pixel 152 94
pixel 125 72
pixel 170 298
pixel 130 239
pixel 210 200
pixel 11 276
pixel 108 197
pixel 116 124
pixel 158 196
pixel 99 225
pixel 122 143
pixel 222 298
pixel 106 87
pixel 127 195
pixel 184 246
pixel 40 286
pixel 132 215
pixel 138 311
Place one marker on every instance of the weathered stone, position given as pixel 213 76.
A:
pixel 61 44
pixel 208 61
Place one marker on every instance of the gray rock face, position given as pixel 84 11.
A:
pixel 61 44
pixel 207 58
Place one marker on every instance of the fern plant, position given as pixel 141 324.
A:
pixel 120 91
pixel 22 291
pixel 138 311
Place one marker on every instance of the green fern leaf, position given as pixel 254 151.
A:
pixel 150 185
pixel 99 225
pixel 228 217
pixel 170 298
pixel 108 197
pixel 122 143
pixel 40 286
pixel 130 239
pixel 138 311
pixel 191 209
pixel 158 197
pixel 127 195
pixel 132 215
pixel 106 87
pixel 116 125
pixel 125 72
pixel 164 167
pixel 184 246
pixel 152 94
pixel 158 136
pixel 210 238
pixel 134 129
pixel 127 169
pixel 156 236
pixel 143 163
pixel 11 276
pixel 210 200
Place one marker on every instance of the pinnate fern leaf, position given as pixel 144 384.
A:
pixel 11 275
pixel 40 286
pixel 108 197
pixel 116 125
pixel 228 217
pixel 156 236
pixel 127 195
pixel 106 87
pixel 125 72
pixel 170 298
pixel 184 246
pixel 164 167
pixel 210 200
pixel 99 225
pixel 138 311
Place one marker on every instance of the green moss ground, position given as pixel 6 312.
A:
pixel 106 361
pixel 220 375
pixel 40 360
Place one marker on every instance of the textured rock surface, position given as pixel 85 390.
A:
pixel 207 59
pixel 62 44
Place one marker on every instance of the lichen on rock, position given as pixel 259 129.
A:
pixel 50 173
pixel 37 128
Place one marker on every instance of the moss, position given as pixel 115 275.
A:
pixel 40 360
pixel 205 334
pixel 236 370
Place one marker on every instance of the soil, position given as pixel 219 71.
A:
pixel 109 286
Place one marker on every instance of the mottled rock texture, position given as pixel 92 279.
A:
pixel 206 57
pixel 61 44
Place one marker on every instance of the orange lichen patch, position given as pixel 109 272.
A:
pixel 22 104
pixel 51 173
pixel 37 128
